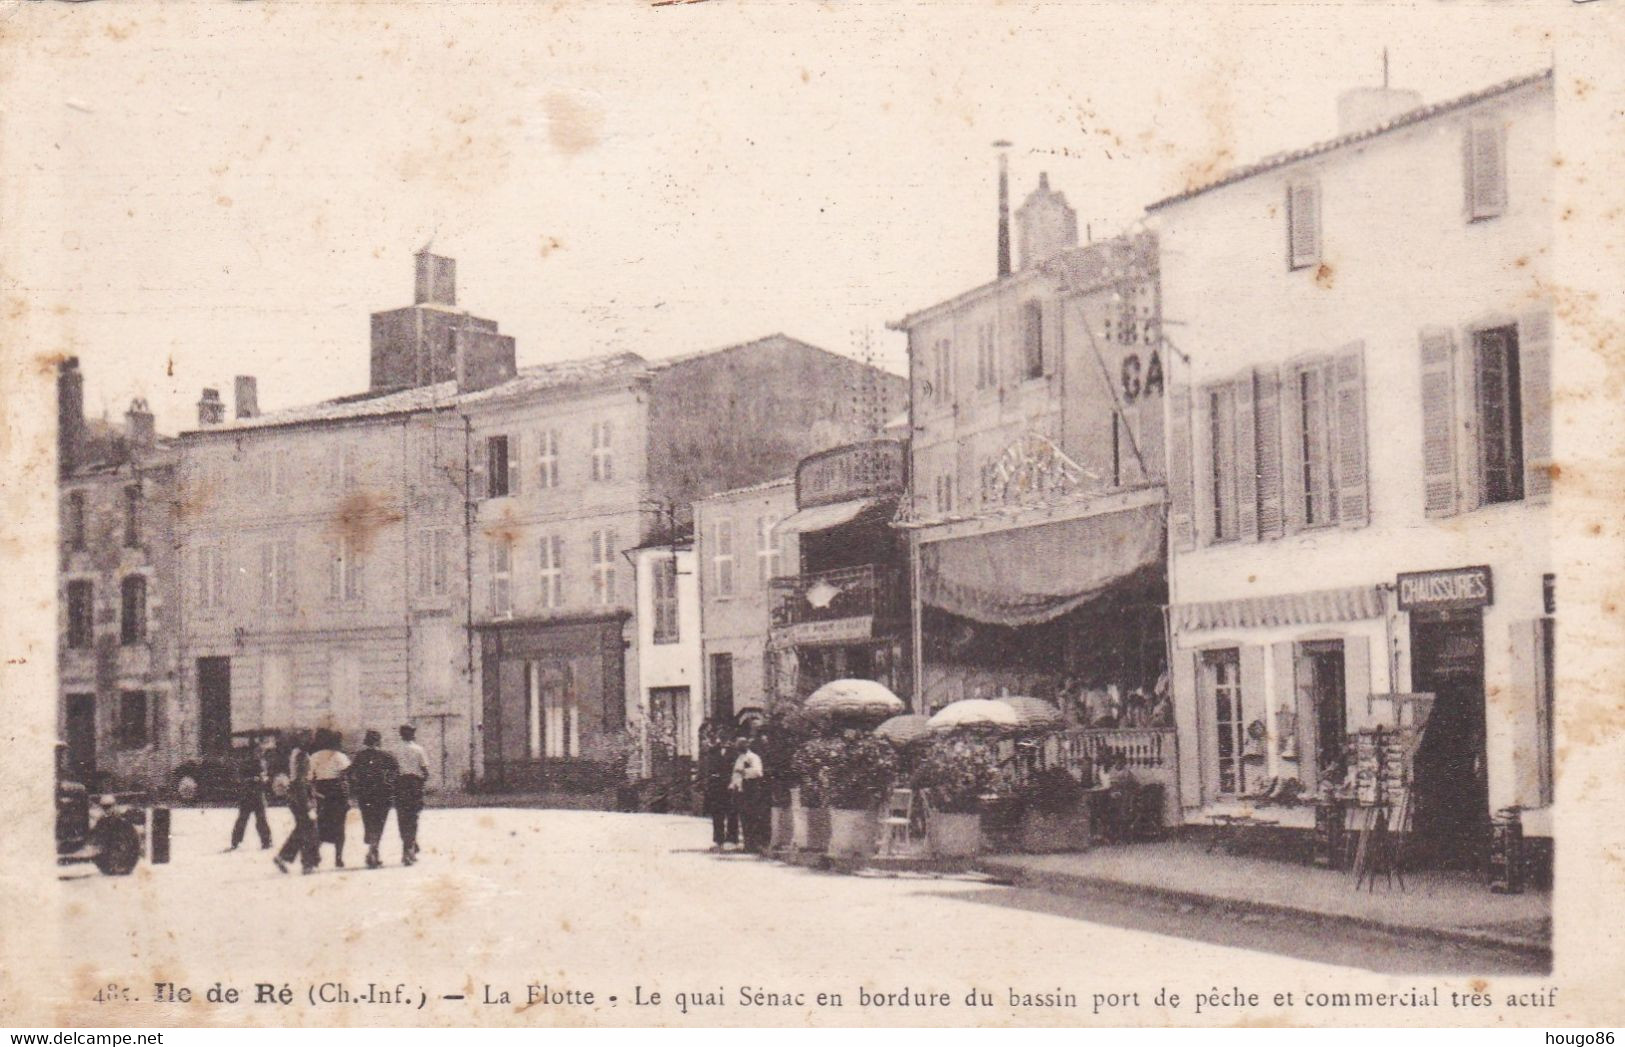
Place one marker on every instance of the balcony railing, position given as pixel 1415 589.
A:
pixel 871 590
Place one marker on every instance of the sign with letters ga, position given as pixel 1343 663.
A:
pixel 1453 589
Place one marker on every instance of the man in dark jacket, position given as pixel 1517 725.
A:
pixel 301 841
pixel 372 783
pixel 716 764
pixel 253 778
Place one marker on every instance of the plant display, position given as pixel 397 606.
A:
pixel 781 737
pixel 1052 792
pixel 857 770
pixel 958 772
pixel 810 765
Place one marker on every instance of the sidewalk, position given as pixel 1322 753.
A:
pixel 1443 905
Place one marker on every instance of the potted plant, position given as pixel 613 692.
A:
pixel 786 730
pixel 956 773
pixel 1053 814
pixel 857 775
pixel 810 814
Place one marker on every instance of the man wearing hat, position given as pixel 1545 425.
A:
pixel 372 780
pixel 414 774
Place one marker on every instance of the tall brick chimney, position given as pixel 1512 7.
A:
pixel 211 410
pixel 436 279
pixel 246 393
pixel 70 415
pixel 140 428
pixel 1004 207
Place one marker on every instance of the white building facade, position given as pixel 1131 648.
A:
pixel 1359 451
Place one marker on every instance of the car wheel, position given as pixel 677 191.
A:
pixel 120 849
pixel 186 787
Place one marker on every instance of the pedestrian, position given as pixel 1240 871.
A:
pixel 328 765
pixel 414 776
pixel 301 842
pixel 716 764
pixel 746 786
pixel 372 781
pixel 253 777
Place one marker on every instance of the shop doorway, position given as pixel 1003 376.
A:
pixel 81 731
pixel 214 705
pixel 1451 786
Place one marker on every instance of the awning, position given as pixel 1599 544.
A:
pixel 823 517
pixel 1027 575
pixel 1320 607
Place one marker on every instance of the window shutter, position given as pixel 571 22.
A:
pixel 1246 459
pixel 1303 224
pixel 1180 465
pixel 1356 681
pixel 1439 488
pixel 1267 410
pixel 1486 172
pixel 1295 695
pixel 1291 407
pixel 1347 409
pixel 1535 362
pixel 516 472
pixel 1202 468
pixel 1525 713
pixel 1192 726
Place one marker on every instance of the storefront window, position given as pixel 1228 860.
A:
pixel 1221 690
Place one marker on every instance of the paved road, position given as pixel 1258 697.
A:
pixel 628 905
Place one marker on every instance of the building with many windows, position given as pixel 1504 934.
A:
pixel 116 660
pixel 1359 456
pixel 1036 462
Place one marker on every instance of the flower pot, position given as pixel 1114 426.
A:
pixel 954 835
pixel 1043 833
pixel 853 834
pixel 782 829
pixel 817 829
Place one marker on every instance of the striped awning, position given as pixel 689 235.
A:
pixel 1321 606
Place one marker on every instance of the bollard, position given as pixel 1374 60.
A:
pixel 160 835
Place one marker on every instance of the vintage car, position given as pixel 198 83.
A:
pixel 109 829
pixel 220 777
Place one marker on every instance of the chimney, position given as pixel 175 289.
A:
pixel 140 430
pixel 436 280
pixel 246 393
pixel 1004 207
pixel 70 415
pixel 1045 224
pixel 211 410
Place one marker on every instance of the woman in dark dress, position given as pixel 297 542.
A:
pixel 327 772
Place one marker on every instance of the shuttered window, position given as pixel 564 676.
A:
pixel 664 586
pixel 496 466
pixel 604 551
pixel 501 577
pixel 1220 693
pixel 1352 506
pixel 722 557
pixel 1181 480
pixel 1484 169
pixel 1245 469
pixel 1500 415
pixel 1303 224
pixel 133 616
pixel 1535 368
pixel 1267 427
pixel 551 559
pixel 1221 460
pixel 1032 340
pixel 1439 481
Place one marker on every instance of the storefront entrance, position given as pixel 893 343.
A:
pixel 1451 787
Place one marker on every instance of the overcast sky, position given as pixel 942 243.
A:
pixel 221 190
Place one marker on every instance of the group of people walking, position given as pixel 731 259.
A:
pixel 322 781
pixel 735 790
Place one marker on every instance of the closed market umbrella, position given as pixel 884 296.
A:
pixel 973 712
pixel 855 698
pixel 1033 712
pixel 900 730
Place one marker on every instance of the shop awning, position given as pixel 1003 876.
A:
pixel 1319 607
pixel 823 517
pixel 1026 575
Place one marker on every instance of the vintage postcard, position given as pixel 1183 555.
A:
pixel 740 514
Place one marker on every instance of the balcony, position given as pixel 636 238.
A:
pixel 871 591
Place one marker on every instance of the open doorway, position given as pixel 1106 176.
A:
pixel 1451 787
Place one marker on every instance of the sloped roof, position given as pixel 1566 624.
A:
pixel 1414 116
pixel 749 489
pixel 533 379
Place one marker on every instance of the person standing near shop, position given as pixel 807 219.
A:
pixel 716 763
pixel 301 804
pixel 414 776
pixel 372 780
pixel 746 785
pixel 327 767
pixel 254 777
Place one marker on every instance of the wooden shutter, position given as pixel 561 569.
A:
pixel 1303 224
pixel 1293 694
pixel 1181 496
pixel 1201 466
pixel 1192 728
pixel 1291 407
pixel 1267 411
pixel 1523 713
pixel 516 472
pixel 1356 682
pixel 1535 363
pixel 1254 698
pixel 1439 482
pixel 1245 461
pixel 1485 179
pixel 1346 407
